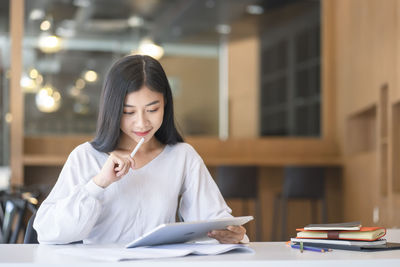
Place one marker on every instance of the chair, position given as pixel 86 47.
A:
pixel 30 233
pixel 12 222
pixel 241 182
pixel 300 183
pixel 15 205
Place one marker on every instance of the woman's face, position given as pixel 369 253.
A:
pixel 143 114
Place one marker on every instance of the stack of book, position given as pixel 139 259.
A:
pixel 349 236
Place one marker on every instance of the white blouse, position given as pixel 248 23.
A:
pixel 77 209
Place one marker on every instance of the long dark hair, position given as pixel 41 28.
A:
pixel 130 74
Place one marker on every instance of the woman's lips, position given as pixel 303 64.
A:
pixel 142 133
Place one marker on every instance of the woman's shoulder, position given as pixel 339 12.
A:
pixel 185 149
pixel 182 146
pixel 84 150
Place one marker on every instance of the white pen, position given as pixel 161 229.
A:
pixel 137 147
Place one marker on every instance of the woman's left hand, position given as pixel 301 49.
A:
pixel 232 235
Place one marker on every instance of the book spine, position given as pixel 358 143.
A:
pixel 333 234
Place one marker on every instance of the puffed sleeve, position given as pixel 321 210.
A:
pixel 73 206
pixel 200 196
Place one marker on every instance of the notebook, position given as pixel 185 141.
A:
pixel 378 242
pixel 383 247
pixel 364 234
pixel 334 226
pixel 182 232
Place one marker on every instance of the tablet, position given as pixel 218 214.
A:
pixel 182 232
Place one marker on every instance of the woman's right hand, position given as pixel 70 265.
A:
pixel 116 166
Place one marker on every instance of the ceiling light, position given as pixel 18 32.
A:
pixel 33 73
pixel 223 28
pixel 80 84
pixel 255 9
pixel 90 76
pixel 56 96
pixel 36 14
pixel 135 21
pixel 31 81
pixel 45 25
pixel 28 84
pixel 148 47
pixel 39 80
pixel 49 43
pixel 74 92
pixel 82 3
pixel 48 99
pixel 8 117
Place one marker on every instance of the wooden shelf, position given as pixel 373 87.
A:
pixel 53 151
pixel 58 160
pixel 362 131
pixel 276 161
pixel 44 160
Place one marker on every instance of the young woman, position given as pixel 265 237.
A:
pixel 104 196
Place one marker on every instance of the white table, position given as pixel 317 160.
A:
pixel 267 254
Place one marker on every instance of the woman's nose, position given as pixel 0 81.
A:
pixel 141 120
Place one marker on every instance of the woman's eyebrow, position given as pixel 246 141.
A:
pixel 153 103
pixel 149 104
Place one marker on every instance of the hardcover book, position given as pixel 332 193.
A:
pixel 364 234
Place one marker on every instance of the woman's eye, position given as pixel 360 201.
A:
pixel 129 113
pixel 153 110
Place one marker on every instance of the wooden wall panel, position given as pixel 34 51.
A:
pixel 195 94
pixel 396 89
pixel 395 107
pixel 360 194
pixel 328 71
pixel 244 88
pixel 16 96
pixel 366 55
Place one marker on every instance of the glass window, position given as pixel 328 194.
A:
pixel 290 70
pixel 70 45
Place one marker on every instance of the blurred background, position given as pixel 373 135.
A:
pixel 292 104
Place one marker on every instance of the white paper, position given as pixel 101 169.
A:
pixel 207 249
pixel 154 252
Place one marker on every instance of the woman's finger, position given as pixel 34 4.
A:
pixel 126 166
pixel 227 240
pixel 117 160
pixel 219 235
pixel 237 229
pixel 132 162
pixel 226 236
